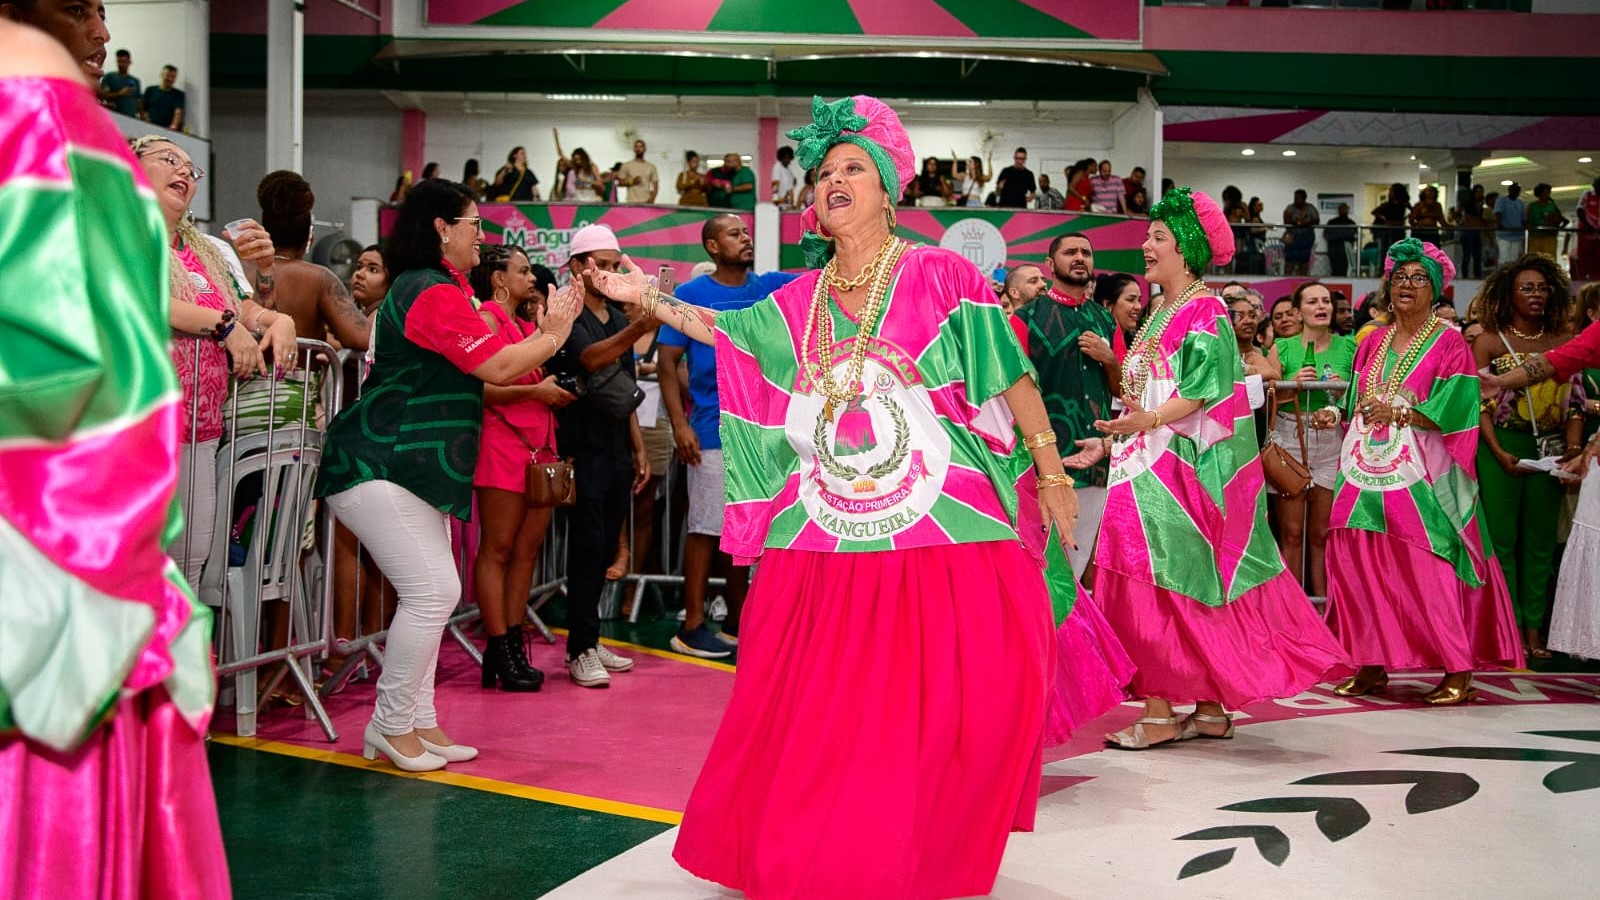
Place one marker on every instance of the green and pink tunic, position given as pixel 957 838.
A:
pixel 105 670
pixel 896 652
pixel 1410 582
pixel 1190 576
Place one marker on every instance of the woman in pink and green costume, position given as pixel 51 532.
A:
pixel 888 716
pixel 1410 583
pixel 105 669
pixel 1190 576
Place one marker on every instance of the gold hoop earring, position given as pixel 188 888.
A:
pixel 891 219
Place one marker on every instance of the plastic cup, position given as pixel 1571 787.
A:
pixel 231 230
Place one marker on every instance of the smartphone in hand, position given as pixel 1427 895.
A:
pixel 666 279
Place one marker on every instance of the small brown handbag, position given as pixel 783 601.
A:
pixel 1288 476
pixel 548 483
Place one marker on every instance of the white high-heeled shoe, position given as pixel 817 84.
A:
pixel 375 742
pixel 452 753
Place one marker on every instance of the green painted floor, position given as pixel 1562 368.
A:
pixel 295 828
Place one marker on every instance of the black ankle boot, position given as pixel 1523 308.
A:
pixel 500 663
pixel 517 644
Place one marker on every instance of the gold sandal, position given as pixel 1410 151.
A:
pixel 1134 738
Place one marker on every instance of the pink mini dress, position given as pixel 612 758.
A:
pixel 502 455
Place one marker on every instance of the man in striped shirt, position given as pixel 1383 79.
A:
pixel 1106 192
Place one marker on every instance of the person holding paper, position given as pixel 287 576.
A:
pixel 1409 582
pixel 1524 311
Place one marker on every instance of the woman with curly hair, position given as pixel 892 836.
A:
pixel 217 322
pixel 1525 312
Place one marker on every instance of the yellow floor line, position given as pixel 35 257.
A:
pixel 456 779
pixel 664 654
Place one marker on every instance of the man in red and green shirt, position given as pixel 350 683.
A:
pixel 1068 339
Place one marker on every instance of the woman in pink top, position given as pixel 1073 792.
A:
pixel 216 326
pixel 517 423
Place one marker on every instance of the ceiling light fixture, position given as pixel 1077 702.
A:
pixel 1586 159
pixel 1501 161
pixel 1422 165
pixel 1289 153
pixel 592 98
pixel 1247 152
pixel 1413 159
pixel 949 103
pixel 1507 183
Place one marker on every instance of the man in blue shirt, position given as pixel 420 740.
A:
pixel 163 105
pixel 119 90
pixel 728 242
pixel 1511 220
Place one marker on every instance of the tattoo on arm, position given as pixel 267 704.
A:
pixel 265 282
pixel 694 321
pixel 347 320
pixel 1537 368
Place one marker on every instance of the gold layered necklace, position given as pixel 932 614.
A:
pixel 1385 389
pixel 819 321
pixel 1530 338
pixel 1140 363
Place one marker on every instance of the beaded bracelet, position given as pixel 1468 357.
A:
pixel 224 327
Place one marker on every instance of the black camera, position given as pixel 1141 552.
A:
pixel 570 383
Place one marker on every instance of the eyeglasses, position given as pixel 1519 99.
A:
pixel 1531 289
pixel 169 159
pixel 1417 279
pixel 477 221
pixel 1236 314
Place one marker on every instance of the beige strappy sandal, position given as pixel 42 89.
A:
pixel 1134 738
pixel 1191 730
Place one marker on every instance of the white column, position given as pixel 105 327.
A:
pixel 1137 141
pixel 285 85
pixel 768 241
pixel 195 77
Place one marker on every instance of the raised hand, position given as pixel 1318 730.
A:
pixel 560 311
pixel 626 285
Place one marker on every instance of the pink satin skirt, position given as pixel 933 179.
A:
pixel 885 730
pixel 1396 605
pixel 1266 644
pixel 1092 671
pixel 128 815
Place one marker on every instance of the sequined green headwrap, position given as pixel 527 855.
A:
pixel 870 125
pixel 1433 261
pixel 1176 208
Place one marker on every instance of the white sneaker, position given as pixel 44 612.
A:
pixel 717 609
pixel 587 670
pixel 611 661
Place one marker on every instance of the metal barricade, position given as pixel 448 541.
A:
pixel 286 456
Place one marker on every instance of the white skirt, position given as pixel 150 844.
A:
pixel 1322 447
pixel 1575 622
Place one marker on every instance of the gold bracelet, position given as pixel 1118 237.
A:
pixel 1042 439
pixel 652 294
pixel 1061 480
pixel 1157 424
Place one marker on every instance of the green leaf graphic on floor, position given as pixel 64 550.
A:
pixel 1340 817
